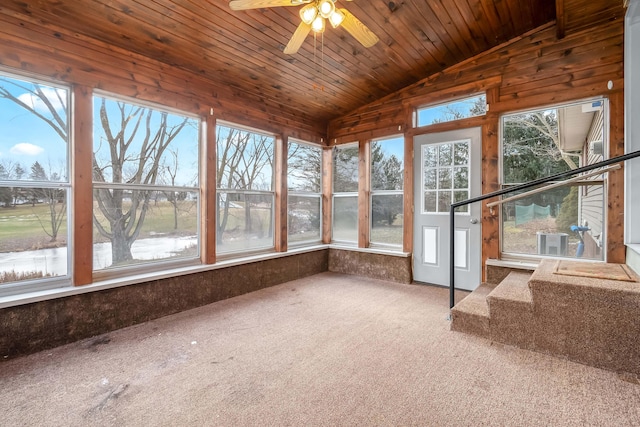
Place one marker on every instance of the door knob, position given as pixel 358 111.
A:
pixel 473 220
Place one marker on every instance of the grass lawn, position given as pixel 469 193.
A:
pixel 21 227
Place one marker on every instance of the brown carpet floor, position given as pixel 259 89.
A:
pixel 328 350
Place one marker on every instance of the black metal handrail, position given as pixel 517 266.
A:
pixel 511 190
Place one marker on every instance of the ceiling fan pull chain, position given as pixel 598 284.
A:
pixel 315 60
pixel 322 60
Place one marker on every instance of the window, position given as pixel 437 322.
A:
pixel 34 183
pixel 304 181
pixel 387 181
pixel 544 142
pixel 446 176
pixel 245 219
pixel 145 185
pixel 345 193
pixel 454 110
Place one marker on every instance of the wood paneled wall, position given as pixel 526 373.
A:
pixel 30 46
pixel 534 70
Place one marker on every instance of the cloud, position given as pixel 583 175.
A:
pixel 57 98
pixel 24 148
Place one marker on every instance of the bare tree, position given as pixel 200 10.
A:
pixel 125 209
pixel 175 198
pixel 54 198
pixel 36 92
pixel 124 127
pixel 242 159
pixel 305 168
pixel 6 196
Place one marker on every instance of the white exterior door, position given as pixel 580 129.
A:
pixel 447 169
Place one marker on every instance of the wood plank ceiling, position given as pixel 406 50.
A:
pixel 326 78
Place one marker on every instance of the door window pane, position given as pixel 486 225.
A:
pixel 461 177
pixel 444 154
pixel 444 178
pixel 444 201
pixel 430 181
pixel 430 198
pixel 440 175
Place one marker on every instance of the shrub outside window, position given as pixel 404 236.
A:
pixel 34 184
pixel 454 110
pixel 304 200
pixel 245 196
pixel 345 193
pixel 387 181
pixel 145 185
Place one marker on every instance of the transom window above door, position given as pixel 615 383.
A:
pixel 458 109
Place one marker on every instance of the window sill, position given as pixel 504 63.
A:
pixel 111 283
pixel 380 251
pixel 520 265
pixel 61 292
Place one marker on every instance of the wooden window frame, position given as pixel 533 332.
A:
pixel 318 195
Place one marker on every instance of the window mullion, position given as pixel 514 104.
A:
pixel 82 221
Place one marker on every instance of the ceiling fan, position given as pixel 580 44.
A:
pixel 313 16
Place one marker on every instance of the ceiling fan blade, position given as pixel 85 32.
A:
pixel 358 30
pixel 258 4
pixel 297 38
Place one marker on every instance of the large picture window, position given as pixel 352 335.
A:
pixel 245 215
pixel 387 181
pixel 34 183
pixel 566 221
pixel 145 185
pixel 345 193
pixel 304 182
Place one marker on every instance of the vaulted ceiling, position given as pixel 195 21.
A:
pixel 331 75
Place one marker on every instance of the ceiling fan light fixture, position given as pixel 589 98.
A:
pixel 318 24
pixel 326 8
pixel 336 18
pixel 308 13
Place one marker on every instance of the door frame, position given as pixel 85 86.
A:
pixel 474 133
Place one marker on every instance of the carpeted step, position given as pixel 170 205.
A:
pixel 588 312
pixel 511 311
pixel 471 315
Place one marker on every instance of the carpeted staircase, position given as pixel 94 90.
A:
pixel 586 312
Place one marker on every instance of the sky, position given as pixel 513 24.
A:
pixel 443 112
pixel 26 138
pixel 393 147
